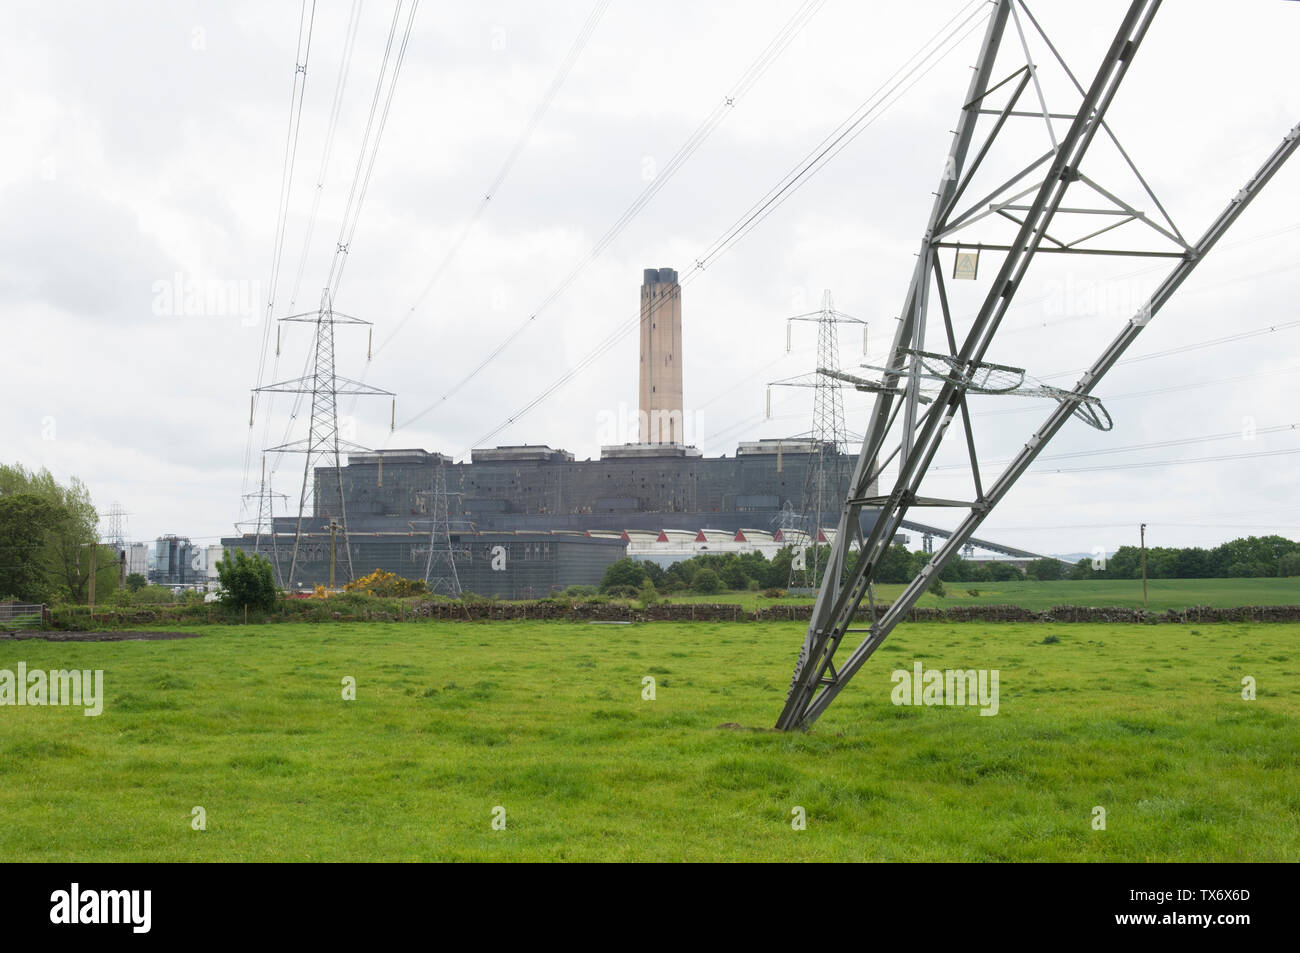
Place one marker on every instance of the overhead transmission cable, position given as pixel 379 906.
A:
pixel 302 51
pixel 752 75
pixel 494 187
pixel 364 168
pixel 777 195
pixel 340 85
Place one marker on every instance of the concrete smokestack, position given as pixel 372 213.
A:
pixel 661 358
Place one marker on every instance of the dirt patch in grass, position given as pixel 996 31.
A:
pixel 100 636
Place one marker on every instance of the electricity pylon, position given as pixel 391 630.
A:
pixel 115 535
pixel 824 478
pixel 1031 205
pixel 322 443
pixel 440 571
pixel 265 523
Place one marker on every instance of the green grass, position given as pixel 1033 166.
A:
pixel 547 720
pixel 1162 594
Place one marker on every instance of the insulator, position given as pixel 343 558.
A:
pixel 277 340
pixel 769 402
pixel 864 339
pixel 787 337
pixel 251 399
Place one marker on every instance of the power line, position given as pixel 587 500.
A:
pixel 340 84
pixel 619 332
pixel 348 228
pixel 1172 463
pixel 297 95
pixel 1157 444
pixel 336 109
pixel 360 182
pixel 1154 391
pixel 755 71
pixel 561 74
pixel 1196 346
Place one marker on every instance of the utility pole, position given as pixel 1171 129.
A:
pixel 1143 534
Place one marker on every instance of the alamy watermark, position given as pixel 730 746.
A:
pixel 75 905
pixel 923 686
pixel 626 424
pixel 76 688
pixel 181 297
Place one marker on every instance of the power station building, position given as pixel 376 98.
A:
pixel 527 519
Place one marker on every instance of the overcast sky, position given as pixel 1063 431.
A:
pixel 143 154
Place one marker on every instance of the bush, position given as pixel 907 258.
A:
pixel 774 593
pixel 938 589
pixel 246 581
pixel 707 581
pixel 620 592
pixel 647 595
pixel 135 582
pixel 581 592
pixel 384 583
pixel 623 573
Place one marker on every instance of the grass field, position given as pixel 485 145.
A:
pixel 1162 594
pixel 547 720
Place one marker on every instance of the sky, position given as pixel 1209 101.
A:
pixel 140 195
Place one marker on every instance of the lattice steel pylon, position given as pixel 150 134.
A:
pixel 1032 200
pixel 824 478
pixel 440 571
pixel 322 443
pixel 265 523
pixel 115 534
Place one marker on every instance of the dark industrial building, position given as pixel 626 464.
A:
pixel 537 505
pixel 522 521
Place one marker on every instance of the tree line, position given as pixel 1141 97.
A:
pixel 1251 556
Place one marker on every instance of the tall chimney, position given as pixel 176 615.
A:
pixel 660 420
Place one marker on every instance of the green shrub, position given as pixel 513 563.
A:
pixel 624 573
pixel 246 581
pixel 707 581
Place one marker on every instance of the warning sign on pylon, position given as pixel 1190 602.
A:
pixel 966 264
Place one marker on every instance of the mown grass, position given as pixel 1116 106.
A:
pixel 1162 594
pixel 547 721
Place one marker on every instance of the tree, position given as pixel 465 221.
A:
pixel 895 565
pixel 1082 569
pixel 734 577
pixel 246 581
pixel 655 573
pixel 1004 572
pixel 623 572
pixel 72 534
pixel 707 581
pixel 1289 565
pixel 135 582
pixel 25 521
pixel 1046 569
